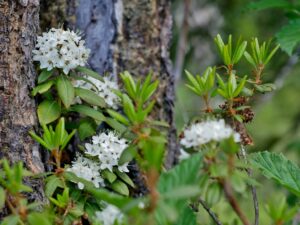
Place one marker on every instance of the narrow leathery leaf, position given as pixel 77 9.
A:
pixel 226 56
pixel 277 167
pixel 130 91
pixel 48 111
pixel 44 75
pixel 90 97
pixel 86 129
pixel 240 87
pixel 249 59
pixel 120 187
pixel 150 90
pixel 222 93
pixel 160 123
pixel 47 135
pixel 89 72
pixel 220 82
pixel 66 141
pixel 146 83
pixel 116 125
pixel 42 88
pixel 75 77
pixel 125 178
pixel 88 111
pixel 129 108
pixel 239 52
pixel 194 89
pixel 108 175
pixel 193 81
pixel 39 140
pixel 65 90
pixel 128 154
pixel 272 53
pixel 18 169
pixel 59 132
pixel 118 117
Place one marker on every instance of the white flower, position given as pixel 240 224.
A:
pixel 88 170
pixel 103 88
pixel 183 155
pixel 60 49
pixel 109 215
pixel 108 147
pixel 205 132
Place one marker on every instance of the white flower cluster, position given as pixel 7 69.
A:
pixel 88 170
pixel 60 49
pixel 103 88
pixel 108 149
pixel 205 132
pixel 109 215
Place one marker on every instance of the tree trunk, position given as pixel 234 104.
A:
pixel 19 23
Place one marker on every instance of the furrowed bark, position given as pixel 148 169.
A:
pixel 19 22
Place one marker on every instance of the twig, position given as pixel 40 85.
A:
pixel 210 212
pixel 233 202
pixel 253 189
pixel 182 42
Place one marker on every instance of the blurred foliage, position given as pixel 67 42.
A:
pixel 276 123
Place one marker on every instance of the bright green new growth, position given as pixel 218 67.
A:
pixel 202 85
pixel 230 54
pixel 260 54
pixel 231 89
pixel 54 139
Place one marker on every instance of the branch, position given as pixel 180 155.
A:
pixel 210 212
pixel 233 202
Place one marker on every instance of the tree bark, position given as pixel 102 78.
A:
pixel 19 22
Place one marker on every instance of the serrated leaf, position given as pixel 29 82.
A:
pixel 65 90
pixel 289 36
pixel 48 111
pixel 277 167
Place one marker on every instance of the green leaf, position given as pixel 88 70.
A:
pixel 120 187
pixel 90 97
pixel 128 154
pixel 87 128
pixel 187 217
pixel 11 220
pixel 52 183
pixel 89 72
pixel 42 88
pixel 266 4
pixel 125 178
pixel 38 218
pixel 289 36
pixel 39 140
pixel 183 192
pixel 119 117
pixel 88 111
pixel 277 167
pixel 65 90
pixel 186 173
pixel 2 197
pixel 48 111
pixel 44 75
pixel 110 176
